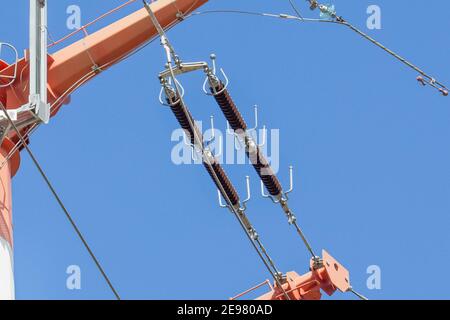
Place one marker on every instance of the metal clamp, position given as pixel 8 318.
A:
pixel 14 76
pixel 211 77
pixel 243 205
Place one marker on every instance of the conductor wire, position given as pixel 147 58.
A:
pixel 61 204
pixel 169 54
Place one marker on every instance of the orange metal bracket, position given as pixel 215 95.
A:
pixel 328 277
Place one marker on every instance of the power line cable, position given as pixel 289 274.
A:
pixel 329 11
pixel 430 80
pixel 61 204
pixel 170 54
pixel 294 7
pixel 359 295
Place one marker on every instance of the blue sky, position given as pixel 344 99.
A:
pixel 369 146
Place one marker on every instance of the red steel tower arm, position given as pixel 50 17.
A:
pixel 81 61
pixel 84 59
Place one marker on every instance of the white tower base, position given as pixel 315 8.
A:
pixel 6 271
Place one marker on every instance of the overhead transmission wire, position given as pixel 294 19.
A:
pixel 170 53
pixel 178 91
pixel 297 10
pixel 168 47
pixel 286 16
pixel 340 21
pixel 23 143
pixel 224 194
pixel 60 202
pixel 359 295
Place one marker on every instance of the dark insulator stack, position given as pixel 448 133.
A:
pixel 229 109
pixel 254 153
pixel 264 170
pixel 224 181
pixel 183 118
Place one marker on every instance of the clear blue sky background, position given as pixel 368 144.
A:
pixel 370 148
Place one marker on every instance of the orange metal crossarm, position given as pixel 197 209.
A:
pixel 81 61
pixel 96 52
